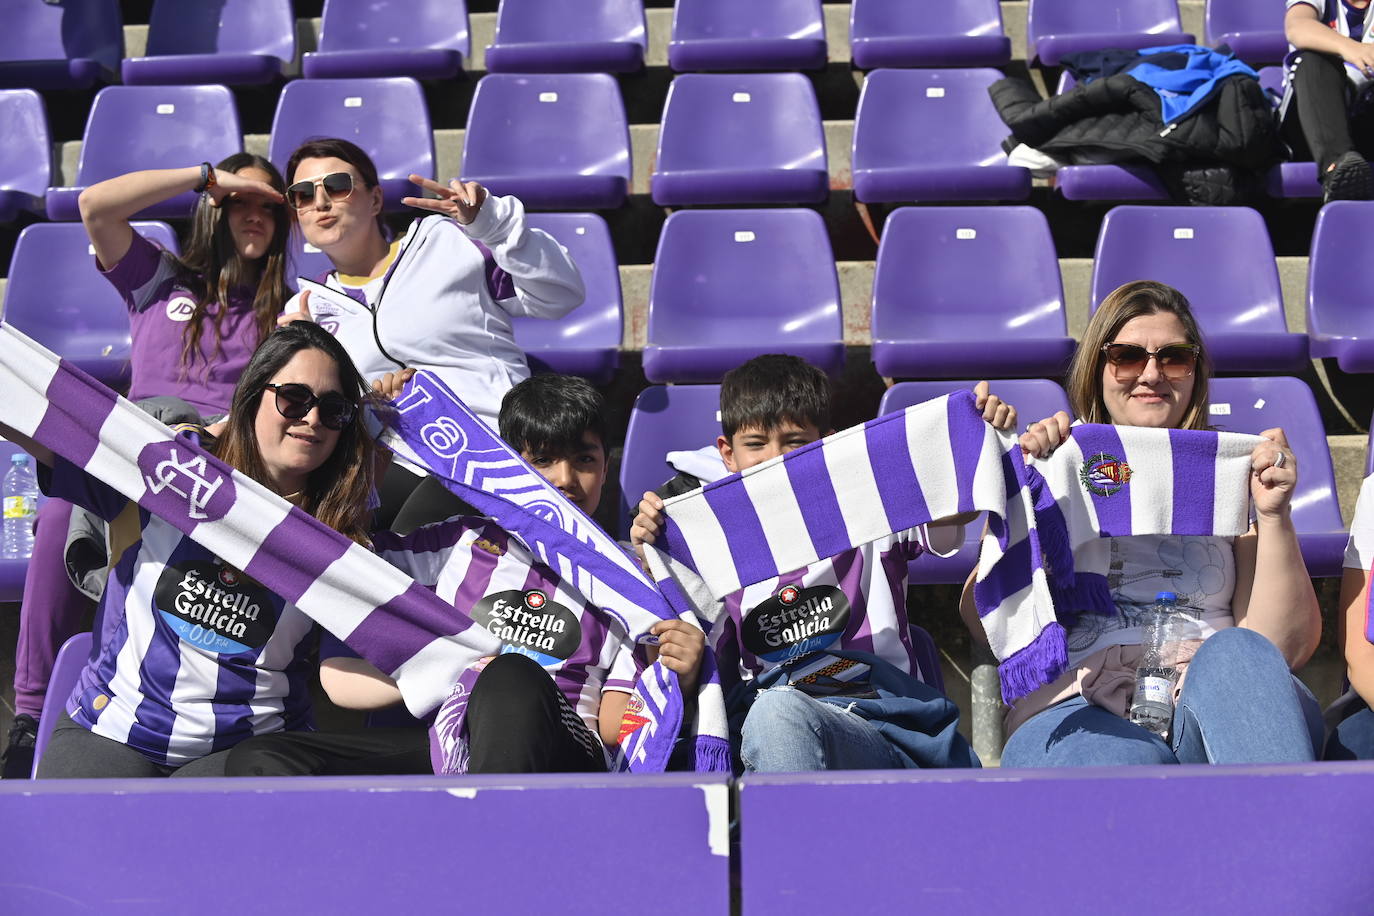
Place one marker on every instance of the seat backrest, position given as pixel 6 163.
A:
pixel 1034 398
pixel 91 29
pixel 1252 405
pixel 901 18
pixel 960 273
pixel 665 418
pixel 390 25
pixel 1224 16
pixel 757 19
pixel 223 26
pixel 725 276
pixel 1061 17
pixel 1219 257
pixel 387 117
pixel 81 318
pixel 520 21
pixel 26 154
pixel 938 117
pixel 151 127
pixel 597 322
pixel 1337 282
pixel 741 121
pixel 547 124
pixel 66 670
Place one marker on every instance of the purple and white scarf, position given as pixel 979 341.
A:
pixel 939 459
pixel 434 429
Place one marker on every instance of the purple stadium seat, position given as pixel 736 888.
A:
pixel 671 418
pixel 305 260
pixel 1252 28
pixel 1055 28
pixel 555 36
pixel 1033 398
pixel 151 127
pixel 932 135
pixel 740 138
pixel 66 669
pixel 237 42
pixel 1293 833
pixel 81 318
pixel 1252 405
pixel 586 341
pixel 1339 321
pixel 758 35
pixel 426 39
pixel 899 33
pixel 386 117
pixel 968 290
pixel 556 141
pixel 730 285
pixel 26 154
pixel 1222 260
pixel 71 45
pixel 1271 81
pixel 11 571
pixel 1287 179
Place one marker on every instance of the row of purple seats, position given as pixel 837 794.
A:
pixel 1338 315
pixel 687 417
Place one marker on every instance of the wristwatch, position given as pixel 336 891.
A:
pixel 207 178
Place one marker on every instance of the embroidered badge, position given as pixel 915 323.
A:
pixel 632 721
pixel 1104 474
pixel 494 549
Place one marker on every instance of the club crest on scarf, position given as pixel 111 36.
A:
pixel 181 483
pixel 1104 474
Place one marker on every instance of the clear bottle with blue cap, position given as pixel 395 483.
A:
pixel 21 495
pixel 1153 704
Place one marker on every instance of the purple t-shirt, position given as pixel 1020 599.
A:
pixel 159 309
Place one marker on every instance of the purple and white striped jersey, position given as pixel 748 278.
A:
pixel 854 601
pixel 473 564
pixel 194 656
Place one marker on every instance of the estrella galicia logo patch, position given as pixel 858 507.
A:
pixel 1104 474
pixel 795 621
pixel 183 484
pixel 215 607
pixel 530 622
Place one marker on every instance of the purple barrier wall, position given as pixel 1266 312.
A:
pixel 1261 839
pixel 423 844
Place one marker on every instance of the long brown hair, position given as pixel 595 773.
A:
pixel 337 492
pixel 1142 297
pixel 211 266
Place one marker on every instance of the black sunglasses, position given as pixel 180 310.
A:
pixel 295 400
pixel 337 185
pixel 1128 361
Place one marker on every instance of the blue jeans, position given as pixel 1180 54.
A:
pixel 788 731
pixel 1239 704
pixel 1353 739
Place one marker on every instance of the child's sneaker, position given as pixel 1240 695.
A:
pixel 1348 179
pixel 18 754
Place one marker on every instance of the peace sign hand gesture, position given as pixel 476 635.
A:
pixel 460 200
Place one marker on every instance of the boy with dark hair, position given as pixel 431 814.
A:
pixel 818 664
pixel 555 707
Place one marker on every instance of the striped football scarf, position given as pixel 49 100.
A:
pixel 939 459
pixel 434 429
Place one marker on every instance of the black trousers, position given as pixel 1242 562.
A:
pixel 519 722
pixel 1318 121
pixel 361 752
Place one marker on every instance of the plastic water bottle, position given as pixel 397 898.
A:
pixel 1153 706
pixel 21 494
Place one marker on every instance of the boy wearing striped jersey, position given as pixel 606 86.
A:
pixel 818 664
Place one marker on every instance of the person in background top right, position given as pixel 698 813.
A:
pixel 1327 111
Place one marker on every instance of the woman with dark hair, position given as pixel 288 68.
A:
pixel 440 297
pixel 1246 605
pixel 195 321
pixel 193 655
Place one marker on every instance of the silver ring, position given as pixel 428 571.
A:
pixel 1279 461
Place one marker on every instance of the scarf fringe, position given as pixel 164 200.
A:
pixel 1039 663
pixel 712 754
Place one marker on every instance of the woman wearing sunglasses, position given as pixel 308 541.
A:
pixel 194 321
pixel 1246 605
pixel 194 656
pixel 440 297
